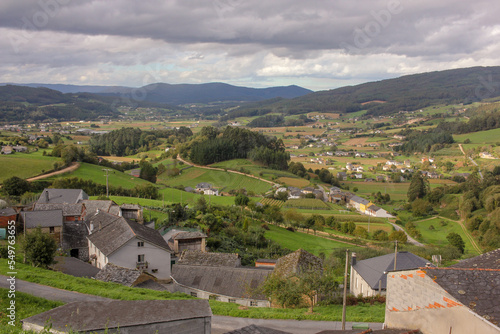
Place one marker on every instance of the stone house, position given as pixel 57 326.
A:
pixel 369 277
pixel 128 244
pixel 49 221
pixel 126 317
pixel 179 241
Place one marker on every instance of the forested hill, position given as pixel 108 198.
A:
pixel 411 92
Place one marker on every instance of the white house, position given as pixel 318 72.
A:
pixel 207 189
pixel 128 244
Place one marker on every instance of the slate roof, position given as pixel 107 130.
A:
pixel 359 200
pixel 119 231
pixel 98 315
pixel 92 206
pixel 238 282
pixel 490 260
pixel 5 212
pixel 120 275
pixel 74 235
pixel 130 206
pixel 188 235
pixel 67 208
pixel 478 289
pixel 74 267
pixel 62 196
pixel 199 258
pixel 50 218
pixel 253 329
pixel 372 270
pixel 204 185
pixel 296 262
pixel 101 220
pixel 373 207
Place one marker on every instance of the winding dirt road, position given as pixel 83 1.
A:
pixel 74 166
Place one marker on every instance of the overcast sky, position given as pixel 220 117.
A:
pixel 317 44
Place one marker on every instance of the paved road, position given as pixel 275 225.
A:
pixel 48 292
pixel 410 239
pixel 220 324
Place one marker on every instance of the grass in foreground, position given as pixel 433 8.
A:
pixel 365 313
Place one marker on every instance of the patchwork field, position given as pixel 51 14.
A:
pixel 294 182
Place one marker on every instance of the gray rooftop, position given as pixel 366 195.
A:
pixel 359 200
pixel 240 282
pixel 490 260
pixel 372 270
pixel 7 212
pixel 477 289
pixel 119 231
pixel 74 267
pixel 92 206
pixel 99 315
pixel 51 196
pixel 51 218
pixel 120 275
pixel 199 258
pixel 68 209
pixel 189 235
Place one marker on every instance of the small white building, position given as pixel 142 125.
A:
pixel 128 244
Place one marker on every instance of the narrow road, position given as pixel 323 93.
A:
pixel 229 171
pixel 220 324
pixel 74 166
pixel 472 160
pixel 410 239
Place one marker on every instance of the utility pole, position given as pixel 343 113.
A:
pixel 395 254
pixel 107 178
pixel 344 304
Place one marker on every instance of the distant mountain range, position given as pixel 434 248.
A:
pixel 181 94
pixel 411 92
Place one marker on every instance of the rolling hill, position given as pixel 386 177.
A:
pixel 411 92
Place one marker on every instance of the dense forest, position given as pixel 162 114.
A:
pixel 129 141
pixel 425 141
pixel 235 143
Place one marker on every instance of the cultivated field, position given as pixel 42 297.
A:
pixel 25 165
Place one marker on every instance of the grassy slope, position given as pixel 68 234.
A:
pixel 364 313
pixel 25 165
pixel 438 235
pixel 489 136
pixel 224 181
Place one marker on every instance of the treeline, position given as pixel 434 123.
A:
pixel 481 122
pixel 425 141
pixel 270 121
pixel 236 143
pixel 129 141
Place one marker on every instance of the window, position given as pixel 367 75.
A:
pixel 51 229
pixel 230 300
pixel 194 294
pixel 140 258
pixel 154 271
pixel 253 303
pixel 140 243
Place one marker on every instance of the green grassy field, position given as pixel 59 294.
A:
pixel 397 191
pixel 308 242
pixel 25 165
pixel 224 181
pixel 489 136
pixel 437 236
pixel 256 170
pixel 96 174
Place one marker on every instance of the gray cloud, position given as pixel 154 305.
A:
pixel 327 42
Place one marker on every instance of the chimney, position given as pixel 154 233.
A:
pixel 91 227
pixel 353 259
pixel 47 195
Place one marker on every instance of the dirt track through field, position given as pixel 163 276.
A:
pixel 228 170
pixel 74 166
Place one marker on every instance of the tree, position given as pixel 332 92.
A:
pixel 241 200
pixel 15 186
pixel 417 188
pixel 283 291
pixel 399 236
pixel 456 240
pixel 39 248
pixel 420 207
pixel 380 235
pixel 148 172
